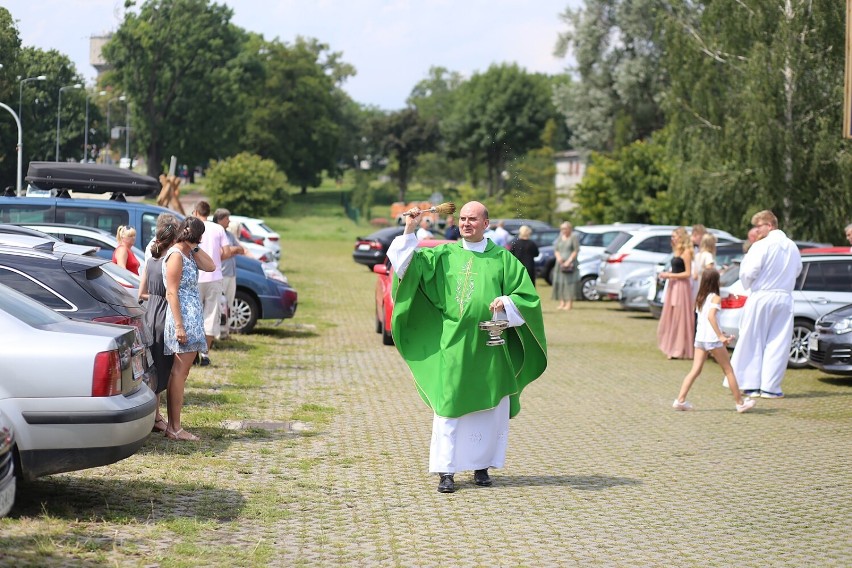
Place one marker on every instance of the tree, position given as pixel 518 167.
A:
pixel 403 135
pixel 297 110
pixel 497 116
pixel 247 183
pixel 620 82
pixel 178 62
pixel 755 113
pixel 10 47
pixel 630 184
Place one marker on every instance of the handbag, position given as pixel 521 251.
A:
pixel 569 268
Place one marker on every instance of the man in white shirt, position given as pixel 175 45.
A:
pixel 769 269
pixel 501 235
pixel 423 231
pixel 210 284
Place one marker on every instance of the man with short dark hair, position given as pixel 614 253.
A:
pixel 210 284
pixel 229 264
pixel 769 269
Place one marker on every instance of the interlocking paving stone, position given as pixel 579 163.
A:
pixel 600 471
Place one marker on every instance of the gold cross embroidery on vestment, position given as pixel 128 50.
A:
pixel 464 288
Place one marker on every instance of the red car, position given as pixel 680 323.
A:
pixel 384 289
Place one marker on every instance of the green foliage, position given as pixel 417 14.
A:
pixel 755 113
pixel 497 116
pixel 298 109
pixel 530 189
pixel 180 64
pixel 629 185
pixel 247 185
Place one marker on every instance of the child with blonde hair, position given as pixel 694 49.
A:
pixel 710 339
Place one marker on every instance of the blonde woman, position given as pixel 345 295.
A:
pixel 566 273
pixel 123 253
pixel 676 331
pixel 706 258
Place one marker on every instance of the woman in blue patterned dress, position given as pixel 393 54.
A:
pixel 184 331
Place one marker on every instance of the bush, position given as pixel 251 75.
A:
pixel 247 185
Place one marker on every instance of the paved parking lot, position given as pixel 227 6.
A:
pixel 600 470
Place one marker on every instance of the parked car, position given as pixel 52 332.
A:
pixel 256 231
pixel 372 249
pixel 73 390
pixel 384 295
pixel 830 345
pixel 727 254
pixel 824 285
pixel 634 293
pixel 633 249
pixel 105 241
pixel 258 297
pixel 7 465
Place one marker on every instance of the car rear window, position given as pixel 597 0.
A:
pixel 27 310
pixel 104 288
pixel 659 243
pixel 106 218
pixel 617 242
pixel 25 285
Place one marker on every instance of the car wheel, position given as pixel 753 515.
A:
pixel 802 328
pixel 244 313
pixel 387 338
pixel 587 287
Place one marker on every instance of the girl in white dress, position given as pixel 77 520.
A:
pixel 710 339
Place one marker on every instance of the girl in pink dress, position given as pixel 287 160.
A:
pixel 676 331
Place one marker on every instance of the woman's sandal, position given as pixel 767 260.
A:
pixel 160 425
pixel 181 435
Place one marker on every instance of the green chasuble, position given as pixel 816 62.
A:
pixel 438 305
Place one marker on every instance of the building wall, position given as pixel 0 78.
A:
pixel 570 168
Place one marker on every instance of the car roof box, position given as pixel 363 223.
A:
pixel 90 178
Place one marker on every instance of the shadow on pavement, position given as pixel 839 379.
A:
pixel 581 482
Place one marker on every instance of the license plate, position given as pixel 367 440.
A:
pixel 813 343
pixel 363 247
pixel 138 368
pixel 7 498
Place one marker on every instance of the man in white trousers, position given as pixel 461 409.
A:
pixel 769 269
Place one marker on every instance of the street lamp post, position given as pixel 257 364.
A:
pixel 21 92
pixel 109 132
pixel 127 135
pixel 59 111
pixel 86 132
pixel 20 146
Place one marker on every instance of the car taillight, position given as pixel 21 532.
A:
pixel 273 239
pixel 263 258
pixel 733 302
pixel 125 320
pixel 616 258
pixel 290 296
pixel 106 378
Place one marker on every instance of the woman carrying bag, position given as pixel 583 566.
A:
pixel 566 272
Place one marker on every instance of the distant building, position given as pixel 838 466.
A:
pixel 570 169
pixel 96 59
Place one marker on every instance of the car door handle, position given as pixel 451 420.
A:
pixel 821 301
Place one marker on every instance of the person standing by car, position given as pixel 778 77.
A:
pixel 183 334
pixel 123 253
pixel 442 295
pixel 676 330
pixel 566 276
pixel 849 234
pixel 229 262
pixel 501 235
pixel 210 284
pixel 526 250
pixel 769 269
pixel 152 289
pixel 706 258
pixel 451 231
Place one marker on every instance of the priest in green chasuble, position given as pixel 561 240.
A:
pixel 441 295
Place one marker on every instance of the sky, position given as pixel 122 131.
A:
pixel 391 43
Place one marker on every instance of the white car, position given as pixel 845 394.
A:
pixel 824 285
pixel 72 390
pixel 257 231
pixel 635 249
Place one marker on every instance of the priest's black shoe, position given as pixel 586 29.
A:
pixel 481 477
pixel 447 484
